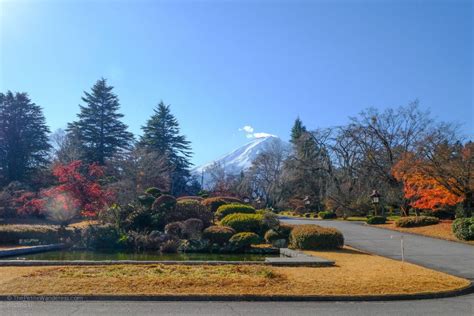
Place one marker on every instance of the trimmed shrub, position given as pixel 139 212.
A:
pixel 191 197
pixel 146 200
pixel 43 233
pixel 192 228
pixel 313 237
pixel 272 235
pixel 244 222
pixel 175 229
pixel 285 230
pixel 244 240
pixel 416 221
pixel 218 234
pixel 327 215
pixel 153 192
pixel 164 202
pixel 375 220
pixel 227 209
pixel 213 203
pixel 102 237
pixel 463 228
pixel 190 209
pixel 270 221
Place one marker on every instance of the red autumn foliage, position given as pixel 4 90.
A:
pixel 78 188
pixel 423 190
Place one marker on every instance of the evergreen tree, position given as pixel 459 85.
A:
pixel 297 130
pixel 161 134
pixel 99 129
pixel 24 146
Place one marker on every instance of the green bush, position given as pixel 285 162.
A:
pixel 416 221
pixel 244 240
pixel 327 215
pixel 187 209
pixel 218 234
pixel 244 222
pixel 375 220
pixel 213 203
pixel 164 203
pixel 153 192
pixel 103 237
pixel 146 200
pixel 463 228
pixel 313 237
pixel 44 233
pixel 227 209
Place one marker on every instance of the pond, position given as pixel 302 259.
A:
pixel 68 255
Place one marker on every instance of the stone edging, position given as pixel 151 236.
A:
pixel 32 249
pixel 238 298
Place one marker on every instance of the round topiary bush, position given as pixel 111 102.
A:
pixel 463 228
pixel 227 209
pixel 192 228
pixel 213 203
pixel 153 191
pixel 164 203
pixel 186 209
pixel 375 220
pixel 416 221
pixel 327 215
pixel 244 240
pixel 313 237
pixel 175 229
pixel 218 234
pixel 244 222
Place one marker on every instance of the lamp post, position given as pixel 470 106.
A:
pixel 375 196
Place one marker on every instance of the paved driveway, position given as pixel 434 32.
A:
pixel 451 257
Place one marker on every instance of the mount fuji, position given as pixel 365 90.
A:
pixel 241 158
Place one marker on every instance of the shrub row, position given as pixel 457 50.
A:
pixel 463 228
pixel 313 237
pixel 375 220
pixel 416 221
pixel 327 215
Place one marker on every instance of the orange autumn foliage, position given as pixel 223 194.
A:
pixel 424 191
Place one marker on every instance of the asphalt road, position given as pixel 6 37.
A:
pixel 449 306
pixel 451 257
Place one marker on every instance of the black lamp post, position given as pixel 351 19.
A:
pixel 375 196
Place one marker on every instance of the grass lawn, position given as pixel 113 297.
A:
pixel 441 230
pixel 355 273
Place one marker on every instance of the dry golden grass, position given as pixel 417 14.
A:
pixel 356 273
pixel 442 230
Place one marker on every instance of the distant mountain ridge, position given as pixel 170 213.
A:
pixel 241 158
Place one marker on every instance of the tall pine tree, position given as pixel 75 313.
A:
pixel 161 134
pixel 297 130
pixel 24 145
pixel 99 128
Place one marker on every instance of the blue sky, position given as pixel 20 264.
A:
pixel 223 65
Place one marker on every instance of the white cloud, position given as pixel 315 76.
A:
pixel 248 130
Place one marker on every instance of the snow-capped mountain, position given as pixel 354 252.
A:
pixel 242 157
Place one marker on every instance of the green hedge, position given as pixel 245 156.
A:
pixel 374 220
pixel 327 215
pixel 463 228
pixel 227 209
pixel 44 233
pixel 416 221
pixel 244 222
pixel 218 234
pixel 244 240
pixel 313 237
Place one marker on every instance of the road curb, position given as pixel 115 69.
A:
pixel 241 298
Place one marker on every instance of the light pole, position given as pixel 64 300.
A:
pixel 375 196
